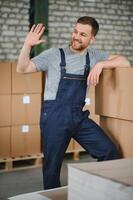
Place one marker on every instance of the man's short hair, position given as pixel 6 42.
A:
pixel 90 21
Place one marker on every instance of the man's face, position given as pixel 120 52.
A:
pixel 81 37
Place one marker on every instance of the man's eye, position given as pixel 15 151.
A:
pixel 83 34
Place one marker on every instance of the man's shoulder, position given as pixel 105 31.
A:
pixel 48 53
pixel 94 50
pixel 97 55
pixel 50 50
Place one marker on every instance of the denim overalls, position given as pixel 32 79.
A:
pixel 63 118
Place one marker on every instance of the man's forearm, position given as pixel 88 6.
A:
pixel 113 62
pixel 24 58
pixel 116 61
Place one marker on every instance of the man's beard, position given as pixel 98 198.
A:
pixel 78 47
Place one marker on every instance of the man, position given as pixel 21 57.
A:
pixel 68 71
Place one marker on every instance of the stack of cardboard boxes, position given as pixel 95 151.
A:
pixel 114 101
pixel 25 109
pixel 20 102
pixel 5 109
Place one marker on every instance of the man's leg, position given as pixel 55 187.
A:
pixel 54 123
pixel 93 139
pixel 55 142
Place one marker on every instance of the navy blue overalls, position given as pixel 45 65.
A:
pixel 63 118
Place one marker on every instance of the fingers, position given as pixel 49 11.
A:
pixel 39 29
pixel 41 41
pixel 94 74
pixel 32 28
pixel 93 79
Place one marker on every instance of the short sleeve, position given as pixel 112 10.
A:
pixel 97 56
pixel 42 61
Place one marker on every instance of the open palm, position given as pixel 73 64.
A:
pixel 33 37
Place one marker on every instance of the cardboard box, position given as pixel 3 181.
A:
pixel 5 78
pixel 78 147
pixel 26 109
pixel 70 146
pixel 110 180
pixel 52 194
pixel 121 132
pixel 56 194
pixel 25 140
pixel 5 135
pixel 5 110
pixel 113 94
pixel 26 83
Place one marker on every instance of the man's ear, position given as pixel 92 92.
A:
pixel 93 39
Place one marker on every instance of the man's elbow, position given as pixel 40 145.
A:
pixel 19 69
pixel 28 68
pixel 125 62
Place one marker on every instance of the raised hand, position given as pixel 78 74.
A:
pixel 33 37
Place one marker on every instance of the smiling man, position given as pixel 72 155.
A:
pixel 82 36
pixel 68 71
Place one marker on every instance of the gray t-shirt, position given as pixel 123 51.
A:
pixel 49 61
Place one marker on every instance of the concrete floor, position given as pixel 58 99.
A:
pixel 30 180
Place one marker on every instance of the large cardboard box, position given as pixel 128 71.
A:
pixel 25 140
pixel 26 83
pixel 5 135
pixel 121 132
pixel 26 109
pixel 70 146
pixel 110 180
pixel 5 78
pixel 114 95
pixel 55 194
pixel 51 194
pixel 5 110
pixel 78 147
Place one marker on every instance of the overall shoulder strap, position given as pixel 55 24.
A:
pixel 87 65
pixel 63 60
pixel 87 60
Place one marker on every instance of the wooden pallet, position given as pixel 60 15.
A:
pixel 22 162
pixel 29 161
pixel 76 153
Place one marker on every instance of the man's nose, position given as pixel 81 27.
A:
pixel 77 36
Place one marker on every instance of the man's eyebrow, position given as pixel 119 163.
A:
pixel 80 32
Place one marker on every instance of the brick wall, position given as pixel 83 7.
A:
pixel 14 23
pixel 115 18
